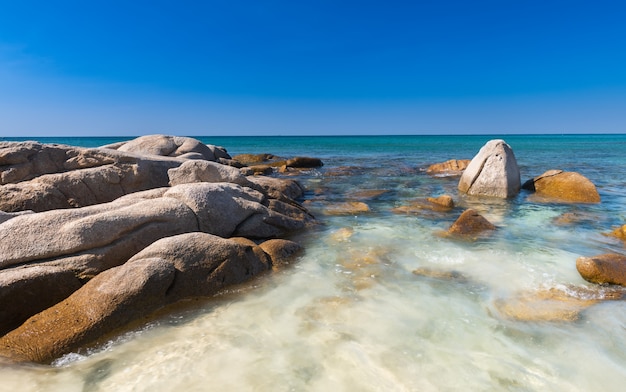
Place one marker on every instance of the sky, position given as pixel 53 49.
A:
pixel 311 67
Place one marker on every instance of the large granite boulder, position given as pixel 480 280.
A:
pixel 561 186
pixel 609 268
pixel 492 172
pixel 174 268
pixel 83 242
pixel 41 177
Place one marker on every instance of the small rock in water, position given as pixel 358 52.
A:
pixel 470 224
pixel 609 268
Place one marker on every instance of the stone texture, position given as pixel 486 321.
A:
pixel 443 203
pixel 174 268
pixel 453 167
pixel 492 172
pixel 560 186
pixel 609 268
pixel 470 223
pixel 172 146
pixel 282 252
pixel 206 171
pixel 41 177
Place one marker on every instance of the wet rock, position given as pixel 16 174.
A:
pixel 453 167
pixel 282 252
pixel 574 218
pixel 554 304
pixel 560 186
pixel 609 268
pixel 443 203
pixel 342 235
pixel 304 163
pixel 345 208
pixel 251 159
pixel 470 224
pixel 620 233
pixel 449 275
pixel 174 268
pixel 367 194
pixel 492 172
pixel 84 242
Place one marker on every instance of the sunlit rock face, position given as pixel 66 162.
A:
pixel 492 172
pixel 561 186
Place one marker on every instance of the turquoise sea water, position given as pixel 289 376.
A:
pixel 351 315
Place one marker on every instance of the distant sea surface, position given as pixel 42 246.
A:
pixel 350 314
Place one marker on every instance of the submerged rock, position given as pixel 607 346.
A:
pixel 609 268
pixel 560 186
pixel 443 203
pixel 492 172
pixel 620 233
pixel 470 224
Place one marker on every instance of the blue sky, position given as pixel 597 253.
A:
pixel 90 68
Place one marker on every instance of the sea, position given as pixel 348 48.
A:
pixel 384 301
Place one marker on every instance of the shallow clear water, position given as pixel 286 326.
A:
pixel 350 314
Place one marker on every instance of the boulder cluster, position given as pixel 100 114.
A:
pixel 92 239
pixel 493 172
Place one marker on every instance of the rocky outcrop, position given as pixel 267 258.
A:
pixel 172 146
pixel 470 224
pixel 609 268
pixel 492 172
pixel 561 186
pixel 453 167
pixel 41 177
pixel 79 273
pixel 174 268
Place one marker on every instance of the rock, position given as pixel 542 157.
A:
pixel 282 252
pixel 84 242
pixel 28 290
pixel 470 223
pixel 453 167
pixel 443 203
pixel 304 163
pixel 275 187
pixel 554 304
pixel 172 146
pixel 345 208
pixel 453 276
pixel 492 172
pixel 367 194
pixel 42 177
pixel 251 159
pixel 206 171
pixel 560 186
pixel 620 233
pixel 174 268
pixel 609 268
